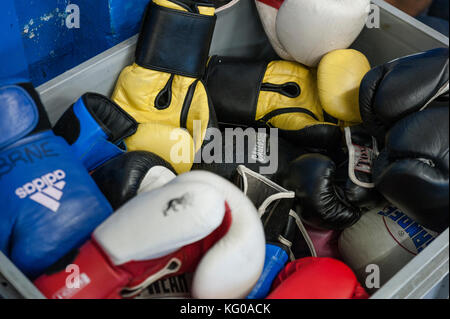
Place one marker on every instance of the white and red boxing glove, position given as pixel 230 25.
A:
pixel 317 278
pixel 197 223
pixel 306 30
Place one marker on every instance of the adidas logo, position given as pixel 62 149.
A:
pixel 46 190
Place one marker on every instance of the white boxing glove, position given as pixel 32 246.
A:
pixel 309 29
pixel 386 238
pixel 198 222
pixel 232 267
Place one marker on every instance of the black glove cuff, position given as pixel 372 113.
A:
pixel 234 86
pixel 174 41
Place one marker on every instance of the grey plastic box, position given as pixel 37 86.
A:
pixel 239 33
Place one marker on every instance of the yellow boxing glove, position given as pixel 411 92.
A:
pixel 167 142
pixel 339 76
pixel 277 94
pixel 163 90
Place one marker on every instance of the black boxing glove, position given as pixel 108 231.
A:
pixel 326 196
pixel 333 189
pixel 390 92
pixel 412 171
pixel 129 174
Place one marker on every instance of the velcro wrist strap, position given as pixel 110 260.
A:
pixel 112 119
pixel 98 152
pixel 95 127
pixel 234 86
pixel 174 41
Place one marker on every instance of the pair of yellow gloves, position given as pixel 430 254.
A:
pixel 174 110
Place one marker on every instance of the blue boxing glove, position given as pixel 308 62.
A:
pixel 286 237
pixel 50 204
pixel 95 128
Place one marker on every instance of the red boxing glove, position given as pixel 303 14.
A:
pixel 317 278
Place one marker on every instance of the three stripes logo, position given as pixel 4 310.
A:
pixel 46 190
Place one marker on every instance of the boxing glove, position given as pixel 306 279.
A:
pixel 129 174
pixel 297 30
pixel 317 278
pixel 261 150
pixel 197 223
pixel 332 195
pixel 95 128
pixel 50 203
pixel 383 237
pixel 268 11
pixel 277 94
pixel 286 237
pixel 339 76
pixel 162 90
pixel 412 171
pixel 325 242
pixel 387 93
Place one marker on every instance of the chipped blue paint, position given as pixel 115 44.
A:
pixel 120 20
pixel 49 48
pixel 13 62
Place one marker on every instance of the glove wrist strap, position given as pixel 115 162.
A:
pixel 235 92
pixel 174 41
